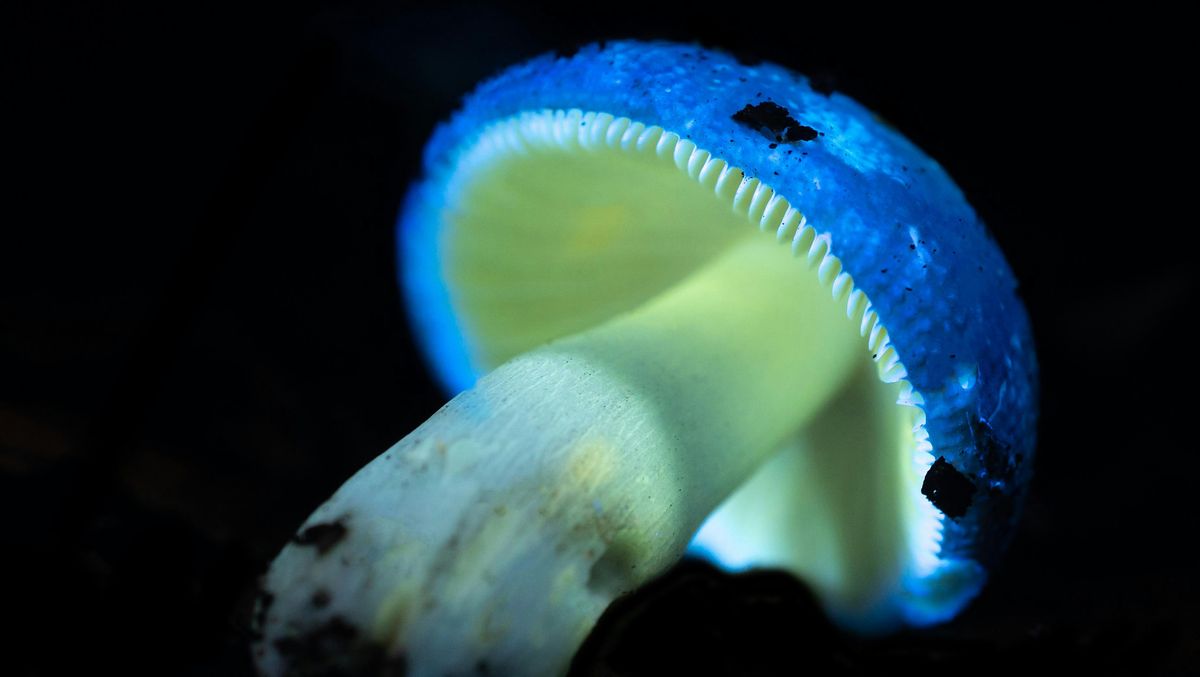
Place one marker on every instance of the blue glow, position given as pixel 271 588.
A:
pixel 937 596
pixel 901 227
pixel 718 542
pixel 426 296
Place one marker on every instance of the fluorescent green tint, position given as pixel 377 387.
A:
pixel 725 359
pixel 549 243
pixel 834 505
pixel 576 471
pixel 648 267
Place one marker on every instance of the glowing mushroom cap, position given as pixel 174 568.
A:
pixel 881 225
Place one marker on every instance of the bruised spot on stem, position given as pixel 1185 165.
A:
pixel 262 606
pixel 322 536
pixel 335 648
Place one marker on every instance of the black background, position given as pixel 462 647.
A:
pixel 201 336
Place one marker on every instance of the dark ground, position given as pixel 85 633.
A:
pixel 201 335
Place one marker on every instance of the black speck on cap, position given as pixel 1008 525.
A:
pixel 948 489
pixel 774 122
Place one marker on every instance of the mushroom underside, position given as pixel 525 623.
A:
pixel 555 222
pixel 658 372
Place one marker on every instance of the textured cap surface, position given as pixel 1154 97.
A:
pixel 895 219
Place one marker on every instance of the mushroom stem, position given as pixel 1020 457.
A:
pixel 496 533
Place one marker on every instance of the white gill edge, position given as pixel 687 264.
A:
pixel 762 205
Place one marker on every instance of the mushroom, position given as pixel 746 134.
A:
pixel 689 303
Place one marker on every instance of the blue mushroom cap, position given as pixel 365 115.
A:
pixel 896 220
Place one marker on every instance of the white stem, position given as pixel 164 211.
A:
pixel 496 533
